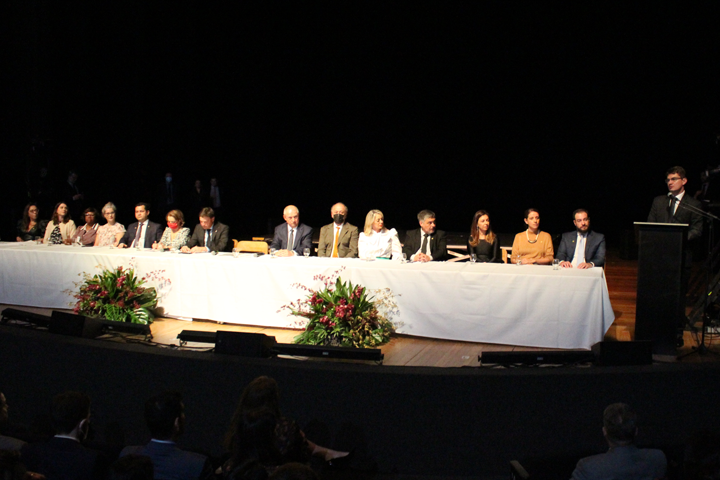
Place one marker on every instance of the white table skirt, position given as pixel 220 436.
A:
pixel 493 303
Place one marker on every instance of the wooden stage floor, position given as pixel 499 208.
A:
pixel 404 350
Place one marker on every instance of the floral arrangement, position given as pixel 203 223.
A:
pixel 342 314
pixel 116 294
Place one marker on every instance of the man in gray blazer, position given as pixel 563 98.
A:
pixel 347 235
pixel 623 459
pixel 300 233
pixel 582 248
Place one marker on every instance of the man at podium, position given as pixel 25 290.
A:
pixel 669 208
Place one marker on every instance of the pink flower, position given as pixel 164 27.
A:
pixel 121 304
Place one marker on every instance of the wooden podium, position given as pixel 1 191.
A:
pixel 660 305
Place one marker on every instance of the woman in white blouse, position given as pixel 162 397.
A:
pixel 376 241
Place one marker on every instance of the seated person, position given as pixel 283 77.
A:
pixel 532 247
pixel 64 455
pixel 426 244
pixel 88 232
pixel 482 241
pixel 61 228
pixel 259 432
pixel 7 442
pixel 623 459
pixel 142 233
pixel 582 248
pixel 175 235
pixel 109 234
pixel 338 239
pixel 165 418
pixel 30 228
pixel 209 236
pixel 376 241
pixel 292 237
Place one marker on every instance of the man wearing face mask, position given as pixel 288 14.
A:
pixel 166 195
pixel 338 239
pixel 64 456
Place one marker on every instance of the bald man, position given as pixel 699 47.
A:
pixel 339 239
pixel 292 237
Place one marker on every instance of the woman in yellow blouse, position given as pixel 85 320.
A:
pixel 532 246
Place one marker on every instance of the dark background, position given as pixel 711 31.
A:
pixel 398 106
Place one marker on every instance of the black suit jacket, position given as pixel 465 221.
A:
pixel 438 244
pixel 171 462
pixel 64 459
pixel 303 238
pixel 660 213
pixel 152 234
pixel 220 238
pixel 594 248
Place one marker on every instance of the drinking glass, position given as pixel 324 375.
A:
pixel 556 264
pixel 473 257
pixel 306 251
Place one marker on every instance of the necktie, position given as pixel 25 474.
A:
pixel 138 234
pixel 208 238
pixel 579 251
pixel 335 243
pixel 673 204
pixel 423 249
pixel 291 239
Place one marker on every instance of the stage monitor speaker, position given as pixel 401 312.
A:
pixel 244 344
pixel 74 325
pixel 623 353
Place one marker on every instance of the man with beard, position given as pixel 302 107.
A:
pixel 582 248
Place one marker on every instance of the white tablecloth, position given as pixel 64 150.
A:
pixel 494 303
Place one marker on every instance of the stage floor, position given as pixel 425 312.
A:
pixel 404 350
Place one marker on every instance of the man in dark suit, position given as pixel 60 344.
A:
pixel 623 459
pixel 209 235
pixel 582 248
pixel 300 234
pixel 672 208
pixel 338 239
pixel 426 244
pixel 165 418
pixel 143 232
pixel 63 457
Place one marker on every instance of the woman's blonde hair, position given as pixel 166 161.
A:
pixel 370 218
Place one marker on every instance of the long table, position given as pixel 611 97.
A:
pixel 493 303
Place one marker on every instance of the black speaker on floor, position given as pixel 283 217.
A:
pixel 74 325
pixel 623 353
pixel 244 344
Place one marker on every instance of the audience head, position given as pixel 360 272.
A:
pixel 249 469
pixel 213 182
pixel 132 467
pixel 165 415
pixel 481 226
pixel 532 219
pixel 198 184
pixel 291 215
pixel 108 211
pixel 581 220
pixel 263 392
pixel 61 213
pixel 91 216
pixel 72 177
pixel 619 424
pixel 142 211
pixel 30 212
pixel 676 180
pixel 3 409
pixel 71 414
pixel 374 222
pixel 427 221
pixel 175 219
pixel 253 436
pixel 207 217
pixel 339 213
pixel 294 471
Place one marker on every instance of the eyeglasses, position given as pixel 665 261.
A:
pixel 672 179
